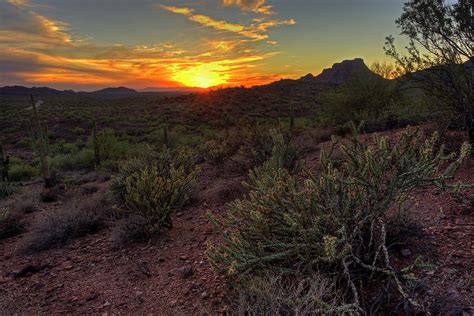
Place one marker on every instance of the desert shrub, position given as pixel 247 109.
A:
pixel 77 131
pixel 78 160
pixel 151 187
pixel 215 151
pixel 26 201
pixel 10 223
pixel 6 190
pixel 259 146
pixel 77 156
pixel 111 147
pixel 360 99
pixel 335 223
pixel 77 217
pixel 24 143
pixel 19 171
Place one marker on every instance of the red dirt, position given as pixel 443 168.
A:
pixel 87 276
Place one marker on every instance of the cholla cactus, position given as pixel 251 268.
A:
pixel 154 185
pixel 333 223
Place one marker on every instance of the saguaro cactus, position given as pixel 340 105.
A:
pixel 95 140
pixel 4 163
pixel 42 146
pixel 165 135
pixel 292 117
pixel 32 135
pixel 46 136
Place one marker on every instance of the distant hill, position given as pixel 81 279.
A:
pixel 21 90
pixel 171 89
pixel 118 90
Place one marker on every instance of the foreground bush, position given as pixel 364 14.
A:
pixel 10 223
pixel 76 218
pixel 149 188
pixel 333 224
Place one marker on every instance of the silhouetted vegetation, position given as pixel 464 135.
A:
pixel 439 59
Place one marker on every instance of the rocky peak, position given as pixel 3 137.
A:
pixel 340 72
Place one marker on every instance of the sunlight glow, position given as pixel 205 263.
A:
pixel 202 76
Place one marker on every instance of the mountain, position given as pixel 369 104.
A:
pixel 340 72
pixel 21 90
pixel 117 90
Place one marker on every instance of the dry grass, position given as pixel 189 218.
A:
pixel 11 223
pixel 78 217
pixel 277 295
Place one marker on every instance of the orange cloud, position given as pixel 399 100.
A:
pixel 255 31
pixel 256 6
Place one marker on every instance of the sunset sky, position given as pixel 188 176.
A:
pixel 90 44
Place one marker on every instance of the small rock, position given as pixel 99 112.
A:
pixel 183 258
pixel 91 297
pixel 106 304
pixel 406 253
pixel 185 272
pixel 204 295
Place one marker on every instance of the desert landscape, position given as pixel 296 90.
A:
pixel 136 180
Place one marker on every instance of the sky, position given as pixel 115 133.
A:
pixel 91 44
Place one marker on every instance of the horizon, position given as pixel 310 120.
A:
pixel 174 44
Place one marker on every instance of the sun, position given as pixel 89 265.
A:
pixel 202 76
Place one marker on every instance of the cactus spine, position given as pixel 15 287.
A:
pixel 42 146
pixel 95 139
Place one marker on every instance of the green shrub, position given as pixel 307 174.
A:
pixel 73 156
pixel 10 223
pixel 153 186
pixel 335 223
pixel 21 172
pixel 24 143
pixel 360 99
pixel 82 159
pixel 77 131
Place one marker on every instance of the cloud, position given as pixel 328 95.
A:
pixel 256 6
pixel 37 50
pixel 255 31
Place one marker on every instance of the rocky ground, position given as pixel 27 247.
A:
pixel 170 275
